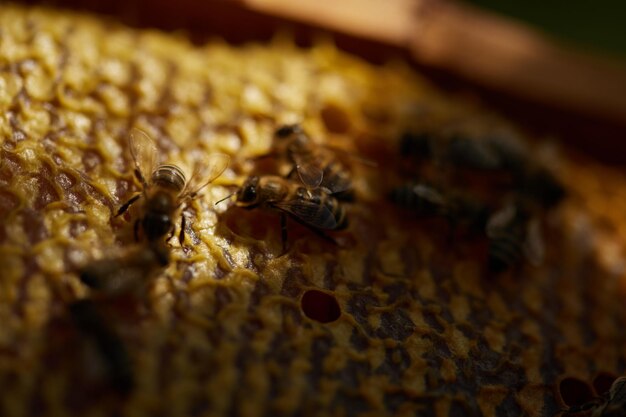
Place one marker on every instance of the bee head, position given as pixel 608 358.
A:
pixel 248 193
pixel 286 131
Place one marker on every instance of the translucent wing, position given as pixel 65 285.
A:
pixel 336 182
pixel 144 153
pixel 337 176
pixel 429 194
pixel 310 213
pixel 310 173
pixel 332 179
pixel 471 153
pixel 205 172
pixel 500 220
pixel 534 247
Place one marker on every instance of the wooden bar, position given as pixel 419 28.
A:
pixel 492 50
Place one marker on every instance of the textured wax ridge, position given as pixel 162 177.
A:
pixel 422 330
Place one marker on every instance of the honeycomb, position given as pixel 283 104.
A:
pixel 390 319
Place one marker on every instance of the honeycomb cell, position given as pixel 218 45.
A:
pixel 320 306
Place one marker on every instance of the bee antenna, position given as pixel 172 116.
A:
pixel 226 198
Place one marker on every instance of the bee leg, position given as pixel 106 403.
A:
pixel 126 205
pixel 283 231
pixel 183 225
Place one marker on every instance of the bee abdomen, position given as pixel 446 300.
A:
pixel 337 180
pixel 331 214
pixel 170 177
pixel 504 252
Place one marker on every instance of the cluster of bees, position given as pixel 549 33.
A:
pixel 611 403
pixel 311 193
pixel 491 186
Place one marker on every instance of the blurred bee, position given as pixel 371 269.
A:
pixel 108 345
pixel 419 146
pixel 315 165
pixel 427 201
pixel 128 273
pixel 424 200
pixel 539 184
pixel 466 152
pixel 455 150
pixel 165 188
pixel 314 208
pixel 496 153
pixel 529 178
pixel 609 404
pixel 513 232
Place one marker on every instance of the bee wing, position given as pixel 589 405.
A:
pixel 471 153
pixel 429 194
pixel 309 172
pixel 342 182
pixel 308 212
pixel 338 184
pixel 205 172
pixel 144 153
pixel 534 247
pixel 500 220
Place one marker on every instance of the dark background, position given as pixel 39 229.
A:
pixel 595 25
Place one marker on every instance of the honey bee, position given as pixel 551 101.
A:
pixel 109 347
pixel 456 150
pixel 316 166
pixel 498 153
pixel 314 208
pixel 423 199
pixel 165 188
pixel 513 232
pixel 128 273
pixel 428 201
pixel 420 146
pixel 540 185
pixel 609 404
pixel 462 151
